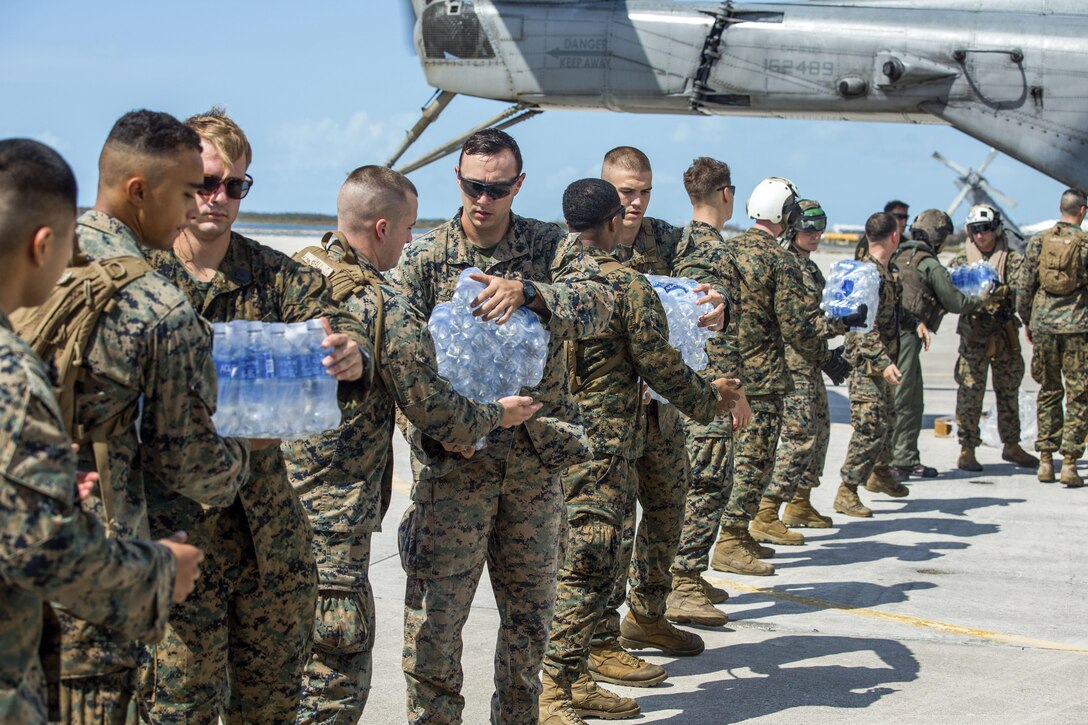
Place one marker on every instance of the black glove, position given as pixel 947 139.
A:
pixel 858 319
pixel 837 368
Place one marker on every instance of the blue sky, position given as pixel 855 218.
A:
pixel 324 86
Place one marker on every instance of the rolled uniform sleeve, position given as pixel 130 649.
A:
pixel 578 302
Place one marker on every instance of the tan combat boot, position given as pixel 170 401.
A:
pixel 591 700
pixel 732 554
pixel 609 662
pixel 967 461
pixel 556 706
pixel 766 526
pixel 1070 477
pixel 1046 467
pixel 689 604
pixel 800 511
pixel 638 632
pixel 847 502
pixel 716 595
pixel 1013 453
pixel 881 481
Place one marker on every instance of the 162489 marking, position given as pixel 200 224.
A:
pixel 800 67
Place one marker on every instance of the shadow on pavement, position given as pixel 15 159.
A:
pixel 832 595
pixel 781 673
pixel 954 506
pixel 869 528
pixel 836 553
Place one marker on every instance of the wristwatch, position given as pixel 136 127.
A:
pixel 529 292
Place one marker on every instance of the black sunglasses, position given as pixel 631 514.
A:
pixel 496 190
pixel 981 227
pixel 235 188
pixel 731 187
pixel 617 212
pixel 903 217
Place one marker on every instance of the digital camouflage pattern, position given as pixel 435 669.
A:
pixel 754 448
pixel 1059 330
pixel 990 341
pixel 50 549
pixel 505 504
pixel 931 280
pixel 151 354
pixel 600 495
pixel 340 476
pixel 802 446
pixel 872 403
pixel 262 589
pixel 663 473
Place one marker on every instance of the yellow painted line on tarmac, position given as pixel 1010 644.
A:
pixel 957 629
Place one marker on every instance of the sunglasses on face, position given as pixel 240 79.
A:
pixel 495 190
pixel 981 227
pixel 901 217
pixel 235 188
pixel 731 187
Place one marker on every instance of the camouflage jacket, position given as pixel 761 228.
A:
pixel 607 368
pixel 871 352
pixel 568 283
pixel 339 474
pixel 255 282
pixel 50 549
pixel 999 308
pixel 1042 311
pixel 151 354
pixel 767 288
pixel 827 327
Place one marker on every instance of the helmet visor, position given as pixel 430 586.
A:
pixel 981 227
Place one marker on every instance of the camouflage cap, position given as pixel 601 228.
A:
pixel 931 225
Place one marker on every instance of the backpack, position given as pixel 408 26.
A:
pixel 1060 272
pixel 60 331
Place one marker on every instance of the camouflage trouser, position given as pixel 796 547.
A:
pixel 236 648
pixel 797 442
pixel 1053 357
pixel 823 435
pixel 711 484
pixel 502 507
pixel 600 496
pixel 872 414
pixel 908 399
pixel 663 475
pixel 753 460
pixel 336 683
pixel 100 700
pixel 1007 365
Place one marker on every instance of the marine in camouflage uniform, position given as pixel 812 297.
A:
pixel 50 549
pixel 769 306
pixel 343 479
pixel 990 340
pixel 151 355
pixel 600 494
pixel 251 613
pixel 1058 327
pixel 505 504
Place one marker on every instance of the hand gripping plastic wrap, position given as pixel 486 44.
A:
pixel 678 297
pixel 974 279
pixel 271 381
pixel 482 360
pixel 850 285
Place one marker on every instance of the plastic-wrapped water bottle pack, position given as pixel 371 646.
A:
pixel 482 360
pixel 851 284
pixel 678 297
pixel 974 279
pixel 272 383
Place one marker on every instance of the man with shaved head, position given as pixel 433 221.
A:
pixel 344 476
pixel 147 389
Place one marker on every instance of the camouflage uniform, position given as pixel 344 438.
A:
pixel 343 476
pixel 151 353
pixel 1059 332
pixel 928 293
pixel 990 340
pixel 600 494
pixel 251 614
pixel 872 404
pixel 52 550
pixel 505 504
pixel 661 470
pixel 806 424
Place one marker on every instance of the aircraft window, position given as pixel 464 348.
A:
pixel 452 31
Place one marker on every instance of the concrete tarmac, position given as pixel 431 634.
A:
pixel 962 602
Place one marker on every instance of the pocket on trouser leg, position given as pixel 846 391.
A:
pixel 343 623
pixel 592 547
pixel 416 547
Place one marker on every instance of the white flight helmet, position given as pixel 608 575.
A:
pixel 984 217
pixel 775 200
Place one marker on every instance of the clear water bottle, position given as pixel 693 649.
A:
pixel 256 399
pixel 288 396
pixel 320 386
pixel 225 356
